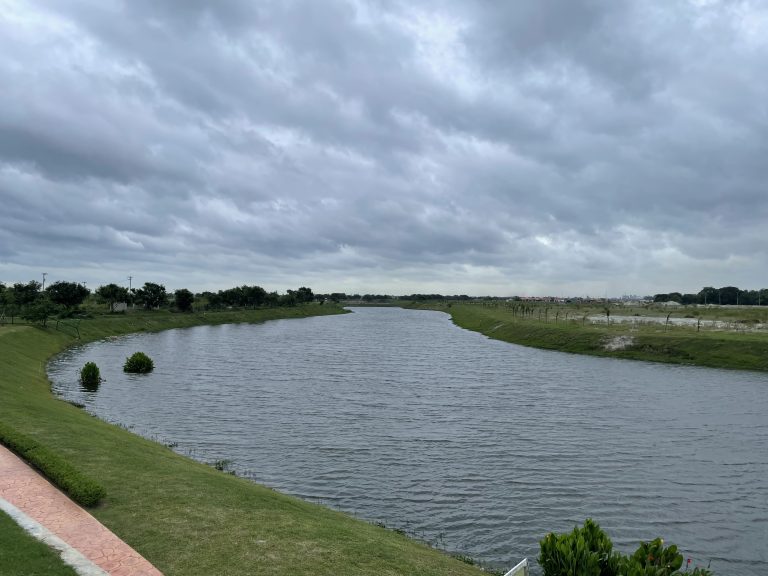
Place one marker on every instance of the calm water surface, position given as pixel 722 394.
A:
pixel 478 445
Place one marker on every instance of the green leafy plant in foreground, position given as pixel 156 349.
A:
pixel 138 363
pixel 588 551
pixel 90 377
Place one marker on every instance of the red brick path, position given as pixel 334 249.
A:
pixel 37 498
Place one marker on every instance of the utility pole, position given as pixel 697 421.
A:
pixel 130 279
pixel 44 275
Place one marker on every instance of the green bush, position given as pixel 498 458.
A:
pixel 588 551
pixel 578 552
pixel 90 375
pixel 138 363
pixel 75 484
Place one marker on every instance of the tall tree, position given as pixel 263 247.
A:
pixel 112 294
pixel 151 295
pixel 184 299
pixel 272 299
pixel 67 294
pixel 7 301
pixel 728 295
pixel 254 295
pixel 25 294
pixel 304 295
pixel 40 310
pixel 288 299
pixel 708 295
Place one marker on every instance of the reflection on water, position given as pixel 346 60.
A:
pixel 401 417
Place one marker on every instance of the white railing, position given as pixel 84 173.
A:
pixel 519 570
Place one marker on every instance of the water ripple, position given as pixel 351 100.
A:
pixel 401 417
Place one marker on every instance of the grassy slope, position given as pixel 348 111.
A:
pixel 23 555
pixel 678 345
pixel 185 517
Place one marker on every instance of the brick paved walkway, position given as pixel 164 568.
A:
pixel 38 499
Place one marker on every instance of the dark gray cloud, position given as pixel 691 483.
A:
pixel 551 146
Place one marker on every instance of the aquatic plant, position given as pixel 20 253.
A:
pixel 90 377
pixel 138 363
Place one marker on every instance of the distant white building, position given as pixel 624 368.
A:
pixel 119 306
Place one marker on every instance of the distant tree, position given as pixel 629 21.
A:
pixel 67 294
pixel 272 299
pixel 256 296
pixel 729 295
pixel 40 310
pixel 151 295
pixel 7 302
pixel 210 299
pixel 675 297
pixel 748 297
pixel 288 299
pixel 184 299
pixel 112 294
pixel 304 295
pixel 708 295
pixel 690 299
pixel 26 294
pixel 233 296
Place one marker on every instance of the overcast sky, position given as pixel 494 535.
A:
pixel 482 147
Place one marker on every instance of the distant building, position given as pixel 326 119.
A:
pixel 119 306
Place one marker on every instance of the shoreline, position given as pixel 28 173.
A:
pixel 186 517
pixel 647 342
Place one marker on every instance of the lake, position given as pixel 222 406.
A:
pixel 473 444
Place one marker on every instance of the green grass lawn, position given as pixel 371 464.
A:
pixel 188 518
pixel 742 350
pixel 23 555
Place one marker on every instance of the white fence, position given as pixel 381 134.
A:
pixel 519 570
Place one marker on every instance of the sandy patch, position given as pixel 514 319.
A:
pixel 619 343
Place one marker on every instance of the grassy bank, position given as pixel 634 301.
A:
pixel 23 555
pixel 743 350
pixel 188 518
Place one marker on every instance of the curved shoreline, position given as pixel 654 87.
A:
pixel 709 349
pixel 185 517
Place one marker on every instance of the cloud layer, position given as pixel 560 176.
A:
pixel 549 146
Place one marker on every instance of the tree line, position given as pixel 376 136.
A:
pixel 383 298
pixel 32 302
pixel 725 296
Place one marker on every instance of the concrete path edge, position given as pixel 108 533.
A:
pixel 69 555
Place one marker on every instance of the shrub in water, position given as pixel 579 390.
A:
pixel 89 375
pixel 138 363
